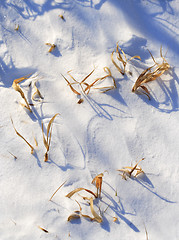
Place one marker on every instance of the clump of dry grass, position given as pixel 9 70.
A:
pixel 16 87
pixel 121 56
pixel 86 87
pixel 47 140
pixel 127 171
pixel 151 74
pixel 32 149
pixel 52 46
pixel 79 214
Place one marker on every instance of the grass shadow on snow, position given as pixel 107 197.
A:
pixel 29 9
pixel 142 20
pixel 170 103
pixel 145 182
pixel 136 46
pixel 118 211
pixel 99 108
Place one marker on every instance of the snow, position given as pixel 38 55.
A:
pixel 106 132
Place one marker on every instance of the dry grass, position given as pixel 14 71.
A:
pixel 32 149
pixel 56 191
pixel 86 87
pixel 36 93
pixel 62 17
pixel 47 140
pixel 98 181
pixel 16 87
pixel 52 46
pixel 43 229
pixel 151 74
pixel 16 28
pixel 78 214
pixel 121 57
pixel 69 195
pixel 127 171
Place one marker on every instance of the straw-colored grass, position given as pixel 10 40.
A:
pixel 98 181
pixel 47 140
pixel 122 58
pixel 52 46
pixel 127 171
pixel 32 149
pixel 86 87
pixel 151 74
pixel 16 87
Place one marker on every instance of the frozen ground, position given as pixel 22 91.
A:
pixel 106 132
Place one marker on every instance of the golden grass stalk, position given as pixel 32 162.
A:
pixel 36 93
pixel 121 56
pixel 69 195
pixel 57 190
pixel 13 155
pixel 96 216
pixel 78 214
pixel 104 89
pixel 127 171
pixel 32 149
pixel 52 46
pixel 47 140
pixel 98 181
pixel 62 17
pixel 16 87
pixel 70 85
pixel 36 143
pixel 146 233
pixel 76 82
pixel 43 229
pixel 151 74
pixel 16 27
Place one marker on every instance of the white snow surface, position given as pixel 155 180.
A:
pixel 106 132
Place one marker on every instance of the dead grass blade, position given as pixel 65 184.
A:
pixel 43 229
pixel 13 155
pixel 32 149
pixel 69 84
pixel 151 74
pixel 121 56
pixel 96 216
pixel 36 143
pixel 104 89
pixel 127 171
pixel 16 28
pixel 52 46
pixel 69 195
pixel 73 216
pixel 47 140
pixel 62 17
pixel 17 88
pixel 98 181
pixel 57 190
pixel 36 93
pixel 147 237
